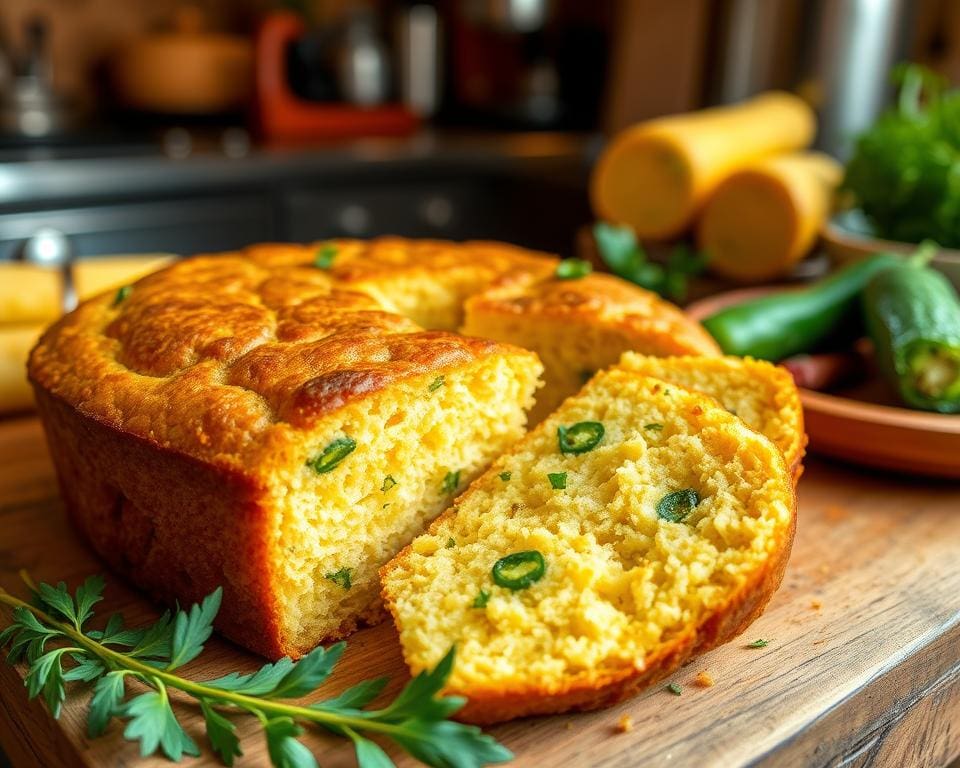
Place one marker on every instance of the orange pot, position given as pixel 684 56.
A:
pixel 185 71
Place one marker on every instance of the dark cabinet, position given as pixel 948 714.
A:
pixel 176 226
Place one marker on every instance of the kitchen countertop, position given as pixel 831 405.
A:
pixel 862 666
pixel 32 176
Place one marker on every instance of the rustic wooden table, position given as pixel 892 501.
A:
pixel 863 665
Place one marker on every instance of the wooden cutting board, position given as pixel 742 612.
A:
pixel 863 665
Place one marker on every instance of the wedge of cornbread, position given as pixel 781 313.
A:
pixel 763 395
pixel 580 326
pixel 639 525
pixel 245 421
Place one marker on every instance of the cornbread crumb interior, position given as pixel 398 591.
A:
pixel 354 517
pixel 763 395
pixel 622 584
pixel 578 327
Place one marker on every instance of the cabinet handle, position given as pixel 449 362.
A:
pixel 355 219
pixel 437 211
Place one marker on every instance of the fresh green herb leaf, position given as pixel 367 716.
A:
pixel 58 600
pixel 419 696
pixel 573 269
pixel 369 755
pixel 580 437
pixel 654 427
pixel 625 257
pixel 902 175
pixel 88 595
pixel 155 642
pixel 450 543
pixel 388 483
pixel 222 733
pixel 416 720
pixel 258 683
pixel 758 644
pixel 519 570
pixel 46 675
pixel 481 600
pixel 309 672
pixel 355 697
pixel 87 669
pixel 332 455
pixel 436 384
pixel 341 577
pixel 192 629
pixel 107 702
pixel 674 688
pixel 505 476
pixel 676 506
pixel 558 480
pixel 115 634
pixel 154 725
pixel 282 745
pixel 325 256
pixel 122 294
pixel 451 482
pixel 682 263
pixel 618 248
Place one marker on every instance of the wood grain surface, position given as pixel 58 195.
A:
pixel 863 665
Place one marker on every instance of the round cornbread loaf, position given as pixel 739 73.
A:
pixel 631 586
pixel 196 419
pixel 578 327
pixel 763 395
pixel 282 420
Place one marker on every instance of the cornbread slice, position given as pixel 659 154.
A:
pixel 652 544
pixel 763 395
pixel 580 326
pixel 244 421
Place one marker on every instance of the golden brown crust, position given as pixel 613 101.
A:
pixel 103 470
pixel 215 353
pixel 600 299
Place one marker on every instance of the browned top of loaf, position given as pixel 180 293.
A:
pixel 600 297
pixel 229 357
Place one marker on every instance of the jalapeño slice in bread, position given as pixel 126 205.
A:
pixel 576 578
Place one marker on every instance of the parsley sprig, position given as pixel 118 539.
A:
pixel 625 256
pixel 51 635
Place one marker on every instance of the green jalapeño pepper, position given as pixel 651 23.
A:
pixel 912 314
pixel 779 325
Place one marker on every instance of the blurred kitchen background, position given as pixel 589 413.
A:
pixel 140 127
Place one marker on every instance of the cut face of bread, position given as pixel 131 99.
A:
pixel 763 395
pixel 638 525
pixel 580 326
pixel 416 447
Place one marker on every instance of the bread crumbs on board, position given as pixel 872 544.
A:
pixel 704 680
pixel 625 724
pixel 816 605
